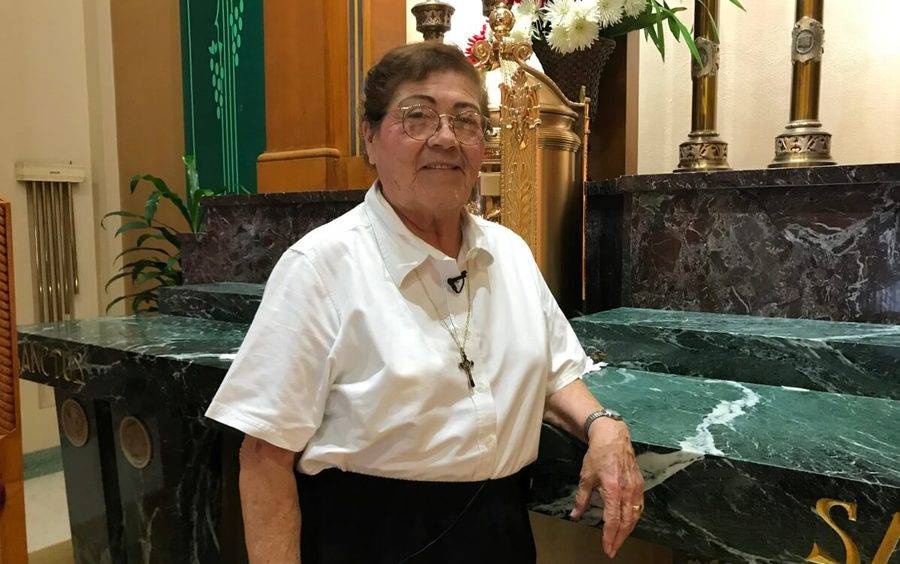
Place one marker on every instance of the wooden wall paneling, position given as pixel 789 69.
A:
pixel 13 549
pixel 613 143
pixel 310 141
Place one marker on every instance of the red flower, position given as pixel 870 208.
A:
pixel 481 36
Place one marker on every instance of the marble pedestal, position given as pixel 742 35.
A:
pixel 819 243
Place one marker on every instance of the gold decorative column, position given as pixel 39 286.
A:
pixel 433 19
pixel 803 142
pixel 704 149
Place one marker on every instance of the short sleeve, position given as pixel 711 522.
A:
pixel 278 383
pixel 568 361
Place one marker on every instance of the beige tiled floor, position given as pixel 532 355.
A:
pixel 47 518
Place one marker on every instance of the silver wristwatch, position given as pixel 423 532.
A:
pixel 614 415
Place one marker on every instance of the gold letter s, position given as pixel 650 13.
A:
pixel 823 509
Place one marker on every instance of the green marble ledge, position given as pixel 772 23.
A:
pixel 850 358
pixel 822 433
pixel 837 435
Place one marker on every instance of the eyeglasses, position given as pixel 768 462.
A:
pixel 421 122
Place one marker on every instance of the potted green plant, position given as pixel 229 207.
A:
pixel 157 250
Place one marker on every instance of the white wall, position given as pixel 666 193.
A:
pixel 45 115
pixel 860 104
pixel 860 99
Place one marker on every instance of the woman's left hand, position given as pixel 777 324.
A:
pixel 610 468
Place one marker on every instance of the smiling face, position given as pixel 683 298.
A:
pixel 435 176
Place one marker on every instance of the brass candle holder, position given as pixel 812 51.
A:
pixel 804 142
pixel 433 19
pixel 704 149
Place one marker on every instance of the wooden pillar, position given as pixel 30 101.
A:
pixel 12 485
pixel 317 54
pixel 613 144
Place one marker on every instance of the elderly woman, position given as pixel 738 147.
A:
pixel 393 382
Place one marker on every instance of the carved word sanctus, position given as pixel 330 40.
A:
pixel 888 543
pixel 53 363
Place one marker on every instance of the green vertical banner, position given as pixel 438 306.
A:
pixel 223 69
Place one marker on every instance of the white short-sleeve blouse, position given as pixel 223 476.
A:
pixel 347 361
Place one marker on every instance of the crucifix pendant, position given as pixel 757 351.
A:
pixel 466 366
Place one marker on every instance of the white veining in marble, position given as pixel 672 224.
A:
pixel 702 442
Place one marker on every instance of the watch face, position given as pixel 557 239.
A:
pixel 614 415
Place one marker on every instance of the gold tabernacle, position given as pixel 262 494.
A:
pixel 704 149
pixel 542 161
pixel 804 142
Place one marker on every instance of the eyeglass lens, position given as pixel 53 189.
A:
pixel 423 122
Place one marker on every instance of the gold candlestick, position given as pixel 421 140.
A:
pixel 704 149
pixel 433 19
pixel 803 142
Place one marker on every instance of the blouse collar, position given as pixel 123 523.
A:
pixel 403 251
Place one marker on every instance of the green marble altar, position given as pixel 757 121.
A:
pixel 733 469
pixel 843 357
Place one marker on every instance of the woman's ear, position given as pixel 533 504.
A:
pixel 367 132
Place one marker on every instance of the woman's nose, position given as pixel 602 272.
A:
pixel 444 136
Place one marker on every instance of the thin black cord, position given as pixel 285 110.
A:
pixel 448 529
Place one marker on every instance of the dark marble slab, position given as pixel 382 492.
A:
pixel 814 243
pixel 236 302
pixel 143 361
pixel 729 464
pixel 850 358
pixel 95 513
pixel 244 235
pixel 821 176
pixel 734 471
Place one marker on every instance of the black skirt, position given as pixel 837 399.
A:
pixel 361 519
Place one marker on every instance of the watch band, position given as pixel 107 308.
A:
pixel 597 415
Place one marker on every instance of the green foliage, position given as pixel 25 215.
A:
pixel 651 22
pixel 157 264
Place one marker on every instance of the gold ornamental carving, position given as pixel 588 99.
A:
pixel 519 118
pixel 74 423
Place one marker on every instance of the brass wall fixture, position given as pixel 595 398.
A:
pixel 54 259
pixel 539 157
pixel 433 19
pixel 804 142
pixel 704 149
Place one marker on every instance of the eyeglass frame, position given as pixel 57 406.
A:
pixel 451 117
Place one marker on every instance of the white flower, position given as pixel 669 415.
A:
pixel 635 7
pixel 558 39
pixel 525 13
pixel 558 11
pixel 609 12
pixel 583 27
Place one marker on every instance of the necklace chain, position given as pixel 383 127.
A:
pixel 465 364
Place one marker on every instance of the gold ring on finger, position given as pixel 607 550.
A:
pixel 638 508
